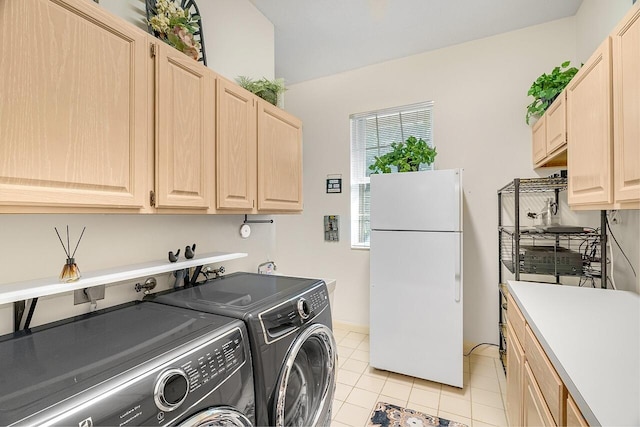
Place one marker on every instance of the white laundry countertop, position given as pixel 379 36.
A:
pixel 592 337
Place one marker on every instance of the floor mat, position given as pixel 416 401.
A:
pixel 388 415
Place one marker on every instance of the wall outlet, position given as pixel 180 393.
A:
pixel 80 295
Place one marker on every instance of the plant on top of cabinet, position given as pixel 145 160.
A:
pixel 269 90
pixel 407 156
pixel 547 87
pixel 176 26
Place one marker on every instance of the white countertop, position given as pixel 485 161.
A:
pixel 592 337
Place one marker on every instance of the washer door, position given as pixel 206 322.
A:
pixel 307 382
pixel 220 416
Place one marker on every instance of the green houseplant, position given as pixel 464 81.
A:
pixel 547 87
pixel 407 156
pixel 269 90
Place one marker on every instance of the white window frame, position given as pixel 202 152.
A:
pixel 360 167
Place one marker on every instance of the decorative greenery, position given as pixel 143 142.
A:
pixel 265 89
pixel 407 156
pixel 176 26
pixel 547 88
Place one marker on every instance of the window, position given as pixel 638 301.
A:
pixel 371 135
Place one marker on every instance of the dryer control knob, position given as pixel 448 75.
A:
pixel 171 389
pixel 303 308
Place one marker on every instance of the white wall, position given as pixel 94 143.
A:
pixel 239 40
pixel 30 250
pixel 594 21
pixel 480 94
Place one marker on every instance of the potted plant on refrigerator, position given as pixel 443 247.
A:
pixel 405 156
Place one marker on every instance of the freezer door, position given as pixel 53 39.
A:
pixel 427 201
pixel 416 304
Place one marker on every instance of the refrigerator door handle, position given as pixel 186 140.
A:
pixel 458 273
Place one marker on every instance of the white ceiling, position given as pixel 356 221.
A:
pixel 315 38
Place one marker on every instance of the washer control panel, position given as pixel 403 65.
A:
pixel 285 318
pixel 214 364
pixel 318 299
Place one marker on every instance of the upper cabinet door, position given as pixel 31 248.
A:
pixel 590 140
pixel 185 140
pixel 626 116
pixel 73 106
pixel 279 159
pixel 539 145
pixel 556 125
pixel 235 147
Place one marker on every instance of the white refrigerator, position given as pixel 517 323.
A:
pixel 416 274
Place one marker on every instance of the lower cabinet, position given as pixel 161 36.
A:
pixel 574 417
pixel 536 395
pixel 515 369
pixel 535 410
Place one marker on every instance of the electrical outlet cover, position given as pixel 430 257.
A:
pixel 80 297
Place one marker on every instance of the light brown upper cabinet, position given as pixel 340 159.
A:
pixel 626 109
pixel 279 159
pixel 603 107
pixel 73 107
pixel 235 147
pixel 590 157
pixel 259 153
pixel 556 132
pixel 539 145
pixel 185 130
pixel 550 135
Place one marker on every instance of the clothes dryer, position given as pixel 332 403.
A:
pixel 292 344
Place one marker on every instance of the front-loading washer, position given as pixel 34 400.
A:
pixel 134 364
pixel 293 349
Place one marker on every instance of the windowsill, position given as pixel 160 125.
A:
pixel 360 248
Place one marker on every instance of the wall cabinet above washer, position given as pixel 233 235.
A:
pixel 259 154
pixel 185 130
pixel 101 117
pixel 73 109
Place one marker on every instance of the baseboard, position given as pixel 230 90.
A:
pixel 362 329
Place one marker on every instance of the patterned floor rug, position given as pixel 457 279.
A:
pixel 388 415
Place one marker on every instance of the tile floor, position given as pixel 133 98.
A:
pixel 360 387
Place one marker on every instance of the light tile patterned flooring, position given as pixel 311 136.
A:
pixel 359 387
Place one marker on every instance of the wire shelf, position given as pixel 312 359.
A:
pixel 535 185
pixel 557 254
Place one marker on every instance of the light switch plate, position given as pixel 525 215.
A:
pixel 80 297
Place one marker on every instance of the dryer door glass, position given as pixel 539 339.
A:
pixel 307 382
pixel 219 416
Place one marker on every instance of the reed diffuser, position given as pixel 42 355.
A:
pixel 70 271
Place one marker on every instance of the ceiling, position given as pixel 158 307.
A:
pixel 316 38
